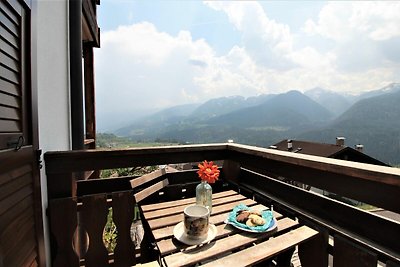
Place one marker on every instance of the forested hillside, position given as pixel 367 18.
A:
pixel 374 121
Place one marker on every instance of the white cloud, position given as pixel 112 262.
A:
pixel 266 41
pixel 342 21
pixel 311 59
pixel 144 44
pixel 145 68
pixel 148 69
pixel 379 20
pixel 363 32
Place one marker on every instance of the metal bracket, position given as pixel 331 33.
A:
pixel 16 144
pixel 39 158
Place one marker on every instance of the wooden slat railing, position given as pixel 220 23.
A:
pixel 372 184
pixel 70 218
pixel 254 171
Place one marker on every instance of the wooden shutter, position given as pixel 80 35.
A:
pixel 21 224
pixel 13 64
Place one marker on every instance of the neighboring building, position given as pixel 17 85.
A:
pixel 46 103
pixel 335 151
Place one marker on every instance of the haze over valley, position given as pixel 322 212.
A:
pixel 255 72
pixel 371 119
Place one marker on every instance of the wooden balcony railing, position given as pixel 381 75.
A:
pixel 69 232
pixel 352 236
pixel 90 29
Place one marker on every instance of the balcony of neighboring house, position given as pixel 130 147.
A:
pixel 347 236
pixel 90 29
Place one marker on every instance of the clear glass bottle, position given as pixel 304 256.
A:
pixel 204 195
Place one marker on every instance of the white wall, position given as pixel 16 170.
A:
pixel 51 18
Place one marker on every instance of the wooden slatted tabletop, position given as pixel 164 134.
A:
pixel 231 246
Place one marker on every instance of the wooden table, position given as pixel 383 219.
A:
pixel 231 247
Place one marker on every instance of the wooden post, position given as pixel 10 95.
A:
pixel 90 109
pixel 314 252
pixel 347 253
pixel 61 185
pixel 231 171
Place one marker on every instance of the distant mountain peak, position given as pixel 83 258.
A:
pixel 317 91
pixel 293 92
pixel 391 87
pixel 334 102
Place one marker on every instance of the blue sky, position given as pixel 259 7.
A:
pixel 193 16
pixel 156 54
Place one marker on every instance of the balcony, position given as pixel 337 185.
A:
pixel 90 29
pixel 349 236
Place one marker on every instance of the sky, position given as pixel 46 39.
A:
pixel 156 54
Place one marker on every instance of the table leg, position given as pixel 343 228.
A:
pixel 285 259
pixel 314 252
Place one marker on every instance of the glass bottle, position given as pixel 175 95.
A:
pixel 204 195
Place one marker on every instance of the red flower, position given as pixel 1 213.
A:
pixel 208 171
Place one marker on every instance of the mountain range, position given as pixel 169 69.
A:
pixel 371 119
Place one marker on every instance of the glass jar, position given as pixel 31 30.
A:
pixel 204 195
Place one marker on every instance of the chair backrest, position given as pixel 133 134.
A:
pixel 153 179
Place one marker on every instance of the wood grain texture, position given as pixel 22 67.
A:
pixel 81 160
pixel 7 11
pixel 18 254
pixel 63 223
pixel 174 219
pixel 151 190
pixel 14 174
pixel 13 235
pixel 123 207
pixel 90 92
pixel 9 216
pixel 267 249
pixel 167 232
pixel 93 218
pixel 10 75
pixel 374 228
pixel 9 88
pixel 360 179
pixel 89 12
pixel 346 253
pixel 17 196
pixel 181 202
pixel 9 113
pixel 170 245
pixel 61 185
pixel 20 204
pixel 8 22
pixel 15 6
pixel 147 178
pixel 9 101
pixel 7 126
pixel 8 62
pixel 31 260
pixel 178 209
pixel 11 52
pixel 314 253
pixel 360 171
pixel 10 39
pixel 13 186
pixel 215 248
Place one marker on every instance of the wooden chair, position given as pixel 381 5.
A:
pixel 152 177
pixel 145 186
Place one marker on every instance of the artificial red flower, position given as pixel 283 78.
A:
pixel 208 171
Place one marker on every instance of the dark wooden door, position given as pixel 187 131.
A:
pixel 21 224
